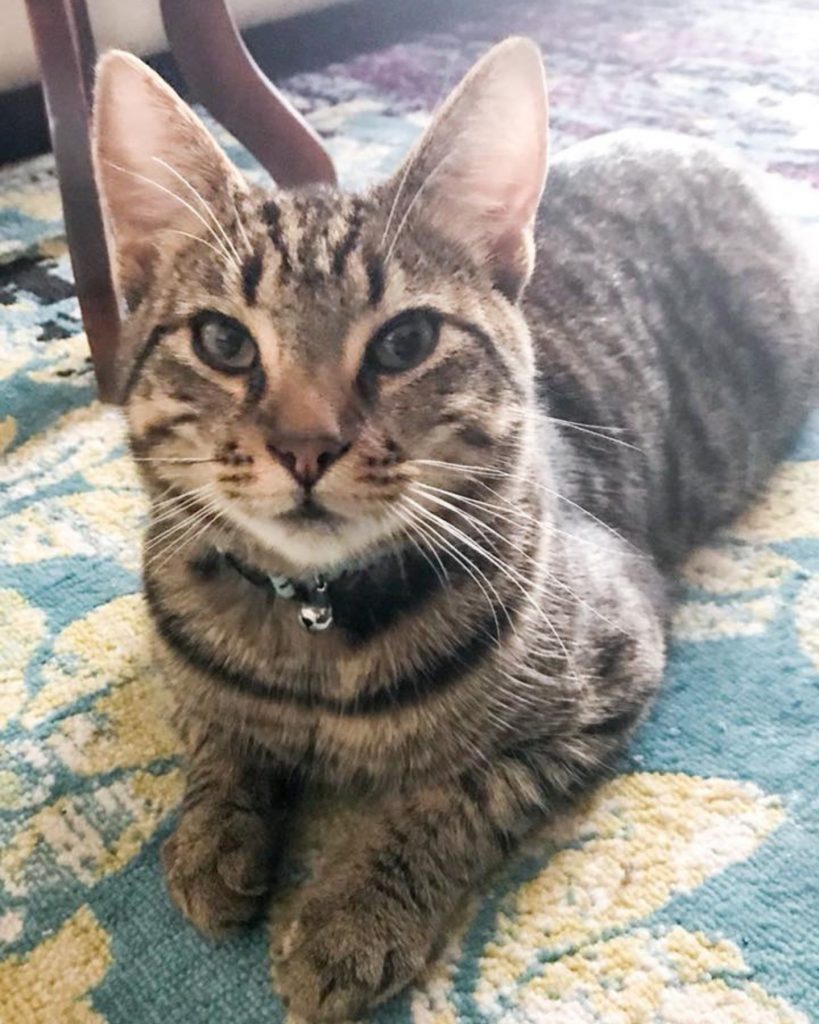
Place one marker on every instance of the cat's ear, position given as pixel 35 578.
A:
pixel 157 167
pixel 479 169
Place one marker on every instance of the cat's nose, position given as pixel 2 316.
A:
pixel 307 459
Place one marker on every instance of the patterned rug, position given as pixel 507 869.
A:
pixel 686 891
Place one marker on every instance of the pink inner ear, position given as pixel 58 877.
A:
pixel 496 138
pixel 146 142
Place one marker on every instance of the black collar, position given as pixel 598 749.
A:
pixel 313 593
pixel 362 599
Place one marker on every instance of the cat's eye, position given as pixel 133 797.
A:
pixel 223 343
pixel 405 341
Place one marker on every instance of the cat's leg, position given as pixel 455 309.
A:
pixel 219 862
pixel 371 920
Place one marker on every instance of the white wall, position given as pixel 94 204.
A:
pixel 130 24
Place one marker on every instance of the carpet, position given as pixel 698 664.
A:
pixel 685 891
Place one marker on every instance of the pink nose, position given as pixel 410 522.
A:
pixel 307 459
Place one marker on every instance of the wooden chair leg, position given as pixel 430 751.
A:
pixel 222 74
pixel 65 49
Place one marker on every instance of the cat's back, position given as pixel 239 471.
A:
pixel 670 302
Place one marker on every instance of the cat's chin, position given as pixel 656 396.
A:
pixel 313 543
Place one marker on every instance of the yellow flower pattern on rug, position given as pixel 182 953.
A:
pixel 565 951
pixel 50 984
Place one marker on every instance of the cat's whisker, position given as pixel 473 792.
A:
pixel 440 528
pixel 461 467
pixel 521 581
pixel 506 507
pixel 538 610
pixel 592 426
pixel 408 166
pixel 506 475
pixel 198 238
pixel 488 506
pixel 160 539
pixel 186 495
pixel 181 542
pixel 205 204
pixel 414 525
pixel 474 520
pixel 182 202
pixel 523 585
pixel 584 511
pixel 180 527
pixel 433 541
pixel 426 528
pixel 529 558
pixel 174 512
pixel 181 461
pixel 585 429
pixel 411 205
pixel 412 533
pixel 201 526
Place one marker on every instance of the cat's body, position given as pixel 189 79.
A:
pixel 670 302
pixel 503 506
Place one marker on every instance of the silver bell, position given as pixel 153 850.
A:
pixel 316 618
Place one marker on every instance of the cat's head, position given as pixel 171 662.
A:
pixel 319 368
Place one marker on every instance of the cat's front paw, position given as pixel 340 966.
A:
pixel 347 951
pixel 218 868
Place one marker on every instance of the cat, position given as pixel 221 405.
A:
pixel 415 494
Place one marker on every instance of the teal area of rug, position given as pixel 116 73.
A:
pixel 686 891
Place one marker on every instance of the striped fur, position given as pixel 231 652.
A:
pixel 513 501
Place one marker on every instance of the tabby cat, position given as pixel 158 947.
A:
pixel 414 495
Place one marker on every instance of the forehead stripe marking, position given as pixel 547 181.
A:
pixel 375 278
pixel 272 217
pixel 347 243
pixel 251 275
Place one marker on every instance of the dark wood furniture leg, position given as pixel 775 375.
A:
pixel 65 49
pixel 216 64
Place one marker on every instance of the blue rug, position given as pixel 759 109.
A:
pixel 686 891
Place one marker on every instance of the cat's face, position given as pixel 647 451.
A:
pixel 318 370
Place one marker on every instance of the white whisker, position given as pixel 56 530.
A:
pixel 521 582
pixel 410 163
pixel 182 202
pixel 584 429
pixel 425 526
pixel 174 499
pixel 505 475
pixel 412 534
pixel 206 205
pixel 553 578
pixel 180 527
pixel 184 505
pixel 411 205
pixel 190 537
pixel 198 238
pixel 181 461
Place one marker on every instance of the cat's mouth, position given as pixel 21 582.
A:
pixel 310 511
pixel 310 533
